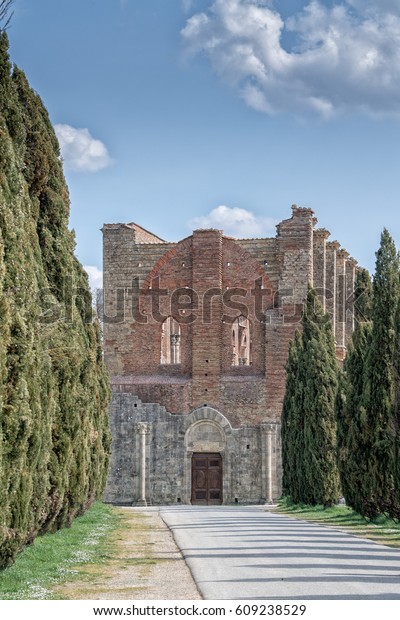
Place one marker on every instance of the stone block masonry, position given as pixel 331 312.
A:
pixel 163 468
pixel 196 337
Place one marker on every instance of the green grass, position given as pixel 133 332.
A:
pixel 53 558
pixel 382 530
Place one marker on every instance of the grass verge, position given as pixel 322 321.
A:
pixel 381 530
pixel 55 558
pixel 123 568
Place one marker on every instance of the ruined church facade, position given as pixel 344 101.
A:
pixel 196 337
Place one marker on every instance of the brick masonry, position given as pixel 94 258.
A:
pixel 204 403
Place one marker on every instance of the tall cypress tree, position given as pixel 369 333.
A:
pixel 395 509
pixel 54 436
pixel 351 418
pixel 312 475
pixel 291 427
pixel 321 480
pixel 379 384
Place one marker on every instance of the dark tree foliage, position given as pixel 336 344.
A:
pixel 363 296
pixel 291 424
pixel 395 511
pixel 379 385
pixel 54 394
pixel 351 418
pixel 310 466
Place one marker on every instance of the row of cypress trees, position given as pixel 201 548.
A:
pixel 368 403
pixel 340 427
pixel 54 394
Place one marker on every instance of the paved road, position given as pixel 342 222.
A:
pixel 250 553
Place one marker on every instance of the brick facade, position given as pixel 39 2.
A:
pixel 209 295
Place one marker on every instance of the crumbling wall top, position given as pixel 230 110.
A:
pixel 322 233
pixel 142 235
pixel 302 212
pixel 333 245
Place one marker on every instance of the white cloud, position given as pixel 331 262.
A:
pixel 80 151
pixel 236 222
pixel 341 57
pixel 95 276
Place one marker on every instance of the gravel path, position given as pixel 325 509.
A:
pixel 149 566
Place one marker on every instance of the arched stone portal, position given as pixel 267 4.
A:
pixel 207 464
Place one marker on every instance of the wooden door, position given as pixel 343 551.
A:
pixel 206 479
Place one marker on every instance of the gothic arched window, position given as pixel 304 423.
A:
pixel 170 342
pixel 241 354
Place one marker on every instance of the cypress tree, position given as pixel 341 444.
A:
pixel 53 387
pixel 395 509
pixel 363 296
pixel 351 418
pixel 311 470
pixel 321 480
pixel 290 423
pixel 379 385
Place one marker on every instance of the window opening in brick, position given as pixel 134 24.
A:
pixel 170 342
pixel 241 354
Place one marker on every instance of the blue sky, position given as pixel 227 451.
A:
pixel 183 113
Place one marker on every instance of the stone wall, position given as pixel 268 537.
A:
pixel 249 454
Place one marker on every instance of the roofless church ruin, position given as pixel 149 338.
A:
pixel 196 338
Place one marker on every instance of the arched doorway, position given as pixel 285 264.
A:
pixel 206 479
pixel 206 459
